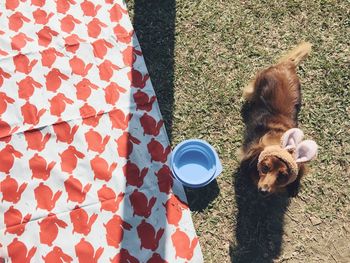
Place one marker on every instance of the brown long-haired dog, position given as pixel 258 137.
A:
pixel 274 154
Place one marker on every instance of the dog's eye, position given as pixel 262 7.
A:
pixel 264 169
pixel 282 177
pixel 280 174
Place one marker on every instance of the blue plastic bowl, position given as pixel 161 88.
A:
pixel 195 163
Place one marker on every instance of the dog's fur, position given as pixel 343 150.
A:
pixel 273 100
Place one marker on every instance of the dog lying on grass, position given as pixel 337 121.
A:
pixel 274 154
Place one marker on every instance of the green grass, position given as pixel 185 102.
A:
pixel 200 54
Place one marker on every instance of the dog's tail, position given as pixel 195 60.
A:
pixel 297 54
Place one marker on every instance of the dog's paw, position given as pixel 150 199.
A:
pixel 240 154
pixel 248 91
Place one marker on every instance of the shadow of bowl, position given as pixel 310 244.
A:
pixel 200 198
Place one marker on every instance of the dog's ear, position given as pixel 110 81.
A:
pixel 250 160
pixel 306 151
pixel 293 188
pixel 291 138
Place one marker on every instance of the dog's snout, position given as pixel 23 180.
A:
pixel 264 188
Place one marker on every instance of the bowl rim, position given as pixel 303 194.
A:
pixel 211 174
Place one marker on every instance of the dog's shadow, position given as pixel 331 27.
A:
pixel 259 226
pixel 260 220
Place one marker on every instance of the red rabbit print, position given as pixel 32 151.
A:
pixel 184 247
pixel 112 92
pixel 157 151
pixel 48 57
pixel 16 21
pixel 125 144
pixel 149 125
pixel 106 70
pixel 101 169
pixel 56 255
pixel 11 4
pixel 86 111
pixel 140 204
pixel 41 17
pixel 116 13
pixel 14 222
pixel 133 174
pixel 148 236
pixel 174 207
pixel 3 53
pixel 54 79
pixel 6 131
pixel 108 199
pixel 62 6
pixel 89 8
pixel 39 167
pixel 119 119
pixel 45 36
pixel 45 198
pixel 23 64
pixel 94 27
pixel 124 256
pixel 86 252
pixel 115 230
pixel 100 48
pixel 69 159
pixel 123 35
pixel 156 258
pixel 10 190
pixel 64 132
pixel 49 229
pixel 75 87
pixel 81 222
pixel 78 66
pixel 137 79
pixel 58 104
pixel 18 252
pixel 165 180
pixel 19 41
pixel 84 89
pixel 68 23
pixel 7 157
pixel 89 115
pixel 36 140
pixel 72 43
pixel 4 100
pixel 3 75
pixel 75 190
pixel 39 3
pixel 130 55
pixel 30 113
pixel 26 87
pixel 95 141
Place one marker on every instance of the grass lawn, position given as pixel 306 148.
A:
pixel 200 54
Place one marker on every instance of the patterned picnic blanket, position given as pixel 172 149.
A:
pixel 83 149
